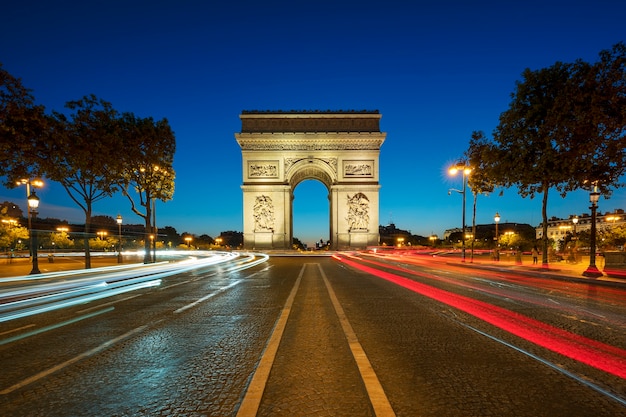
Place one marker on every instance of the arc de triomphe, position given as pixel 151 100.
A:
pixel 281 149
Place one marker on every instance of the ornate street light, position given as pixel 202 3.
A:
pixel 465 170
pixel 592 270
pixel 33 205
pixel 496 251
pixel 119 238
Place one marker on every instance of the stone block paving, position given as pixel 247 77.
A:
pixel 314 373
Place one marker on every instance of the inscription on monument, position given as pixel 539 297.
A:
pixel 358 169
pixel 263 169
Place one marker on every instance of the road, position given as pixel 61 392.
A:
pixel 350 335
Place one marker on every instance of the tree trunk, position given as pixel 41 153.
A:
pixel 544 228
pixel 86 235
pixel 146 244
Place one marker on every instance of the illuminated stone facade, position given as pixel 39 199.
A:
pixel 281 149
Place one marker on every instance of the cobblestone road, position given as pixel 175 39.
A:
pixel 138 357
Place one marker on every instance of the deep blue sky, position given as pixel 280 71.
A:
pixel 436 70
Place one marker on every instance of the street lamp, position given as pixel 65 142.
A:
pixel 496 256
pixel 592 270
pixel 33 204
pixel 34 183
pixel 465 170
pixel 118 219
pixel 612 218
pixel 101 234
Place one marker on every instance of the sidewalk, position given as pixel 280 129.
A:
pixel 555 270
pixel 23 266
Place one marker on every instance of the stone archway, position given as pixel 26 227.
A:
pixel 281 149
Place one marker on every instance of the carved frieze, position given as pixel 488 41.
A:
pixel 263 212
pixel 361 169
pixel 262 169
pixel 272 143
pixel 331 162
pixel 358 212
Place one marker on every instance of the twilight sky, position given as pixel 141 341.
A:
pixel 436 70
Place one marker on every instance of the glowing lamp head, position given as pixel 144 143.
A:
pixel 594 197
pixel 33 202
pixel 118 219
pixel 496 217
pixel 460 167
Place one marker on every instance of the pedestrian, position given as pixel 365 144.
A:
pixel 535 253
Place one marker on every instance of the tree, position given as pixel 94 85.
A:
pixel 147 168
pixel 595 127
pixel 564 130
pixel 61 240
pixel 478 181
pixel 83 155
pixel 10 230
pixel 12 210
pixel 22 128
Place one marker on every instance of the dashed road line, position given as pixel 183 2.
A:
pixel 69 362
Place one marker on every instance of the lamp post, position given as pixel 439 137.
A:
pixel 465 171
pixel 118 219
pixel 35 183
pixel 33 204
pixel 496 252
pixel 592 270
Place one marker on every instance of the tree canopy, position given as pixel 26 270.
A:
pixel 564 130
pixel 82 154
pixel 93 151
pixel 148 172
pixel 22 126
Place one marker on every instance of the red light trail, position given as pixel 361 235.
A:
pixel 599 355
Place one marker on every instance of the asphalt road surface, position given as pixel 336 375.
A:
pixel 351 335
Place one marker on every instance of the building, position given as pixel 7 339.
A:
pixel 559 228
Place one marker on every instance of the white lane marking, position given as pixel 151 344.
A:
pixel 75 359
pixel 377 395
pixel 17 329
pixel 206 297
pixel 252 399
pixel 53 326
pixel 552 365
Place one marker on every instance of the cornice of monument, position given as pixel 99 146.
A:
pixel 310 141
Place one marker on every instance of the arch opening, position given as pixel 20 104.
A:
pixel 311 213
